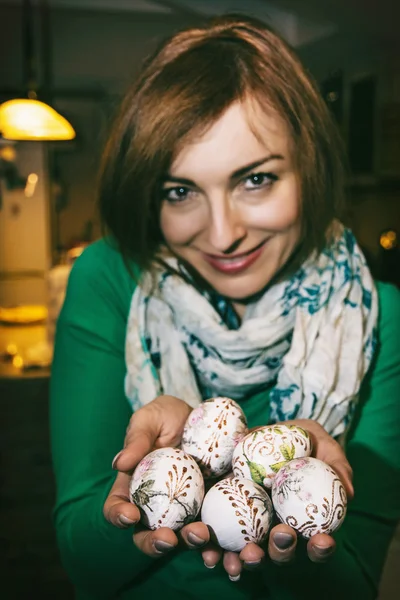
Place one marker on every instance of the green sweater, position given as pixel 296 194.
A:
pixel 89 416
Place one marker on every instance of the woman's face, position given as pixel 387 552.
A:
pixel 231 203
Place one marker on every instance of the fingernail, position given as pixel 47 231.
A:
pixel 252 565
pixel 125 521
pixel 283 541
pixel 209 566
pixel 195 540
pixel 115 459
pixel 323 551
pixel 234 577
pixel 162 547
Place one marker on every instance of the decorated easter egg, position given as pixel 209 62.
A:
pixel 260 454
pixel 168 488
pixel 308 495
pixel 211 433
pixel 237 512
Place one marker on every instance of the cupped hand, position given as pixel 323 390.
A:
pixel 320 547
pixel 282 540
pixel 158 424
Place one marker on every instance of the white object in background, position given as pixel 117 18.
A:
pixel 308 495
pixel 261 453
pixel 238 512
pixel 25 232
pixel 211 433
pixel 168 488
pixel 57 279
pixel 31 184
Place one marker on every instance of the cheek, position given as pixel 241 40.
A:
pixel 281 212
pixel 290 215
pixel 177 229
pixel 277 216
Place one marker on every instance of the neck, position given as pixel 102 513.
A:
pixel 240 309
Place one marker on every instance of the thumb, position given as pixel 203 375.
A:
pixel 118 508
pixel 140 440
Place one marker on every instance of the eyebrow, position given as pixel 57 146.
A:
pixel 235 175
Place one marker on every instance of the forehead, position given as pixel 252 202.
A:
pixel 244 133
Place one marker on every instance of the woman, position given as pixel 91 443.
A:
pixel 220 189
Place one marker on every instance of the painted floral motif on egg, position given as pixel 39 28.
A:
pixel 237 511
pixel 261 453
pixel 211 434
pixel 168 488
pixel 308 495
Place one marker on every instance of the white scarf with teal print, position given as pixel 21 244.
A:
pixel 311 336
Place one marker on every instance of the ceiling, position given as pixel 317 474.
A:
pixel 300 21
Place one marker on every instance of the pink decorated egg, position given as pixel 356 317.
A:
pixel 308 495
pixel 211 434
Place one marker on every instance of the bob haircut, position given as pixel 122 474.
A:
pixel 182 90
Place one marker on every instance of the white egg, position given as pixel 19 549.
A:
pixel 168 488
pixel 211 433
pixel 308 495
pixel 261 453
pixel 237 511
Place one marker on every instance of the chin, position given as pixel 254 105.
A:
pixel 241 292
pixel 240 288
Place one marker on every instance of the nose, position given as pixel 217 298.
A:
pixel 226 226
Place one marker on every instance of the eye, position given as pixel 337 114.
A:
pixel 257 181
pixel 176 194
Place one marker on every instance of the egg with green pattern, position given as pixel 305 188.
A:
pixel 263 452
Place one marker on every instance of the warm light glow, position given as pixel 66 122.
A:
pixel 31 185
pixel 12 349
pixel 8 153
pixel 388 240
pixel 332 96
pixel 33 120
pixel 18 361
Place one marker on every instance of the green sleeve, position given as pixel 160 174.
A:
pixel 374 445
pixel 89 416
pixel 373 450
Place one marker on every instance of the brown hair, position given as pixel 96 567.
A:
pixel 182 89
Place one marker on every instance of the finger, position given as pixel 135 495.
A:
pixel 211 555
pixel 170 429
pixel 195 535
pixel 330 451
pixel 321 547
pixel 252 556
pixel 155 543
pixel 232 565
pixel 282 544
pixel 139 441
pixel 118 509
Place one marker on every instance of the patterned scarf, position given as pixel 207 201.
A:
pixel 311 336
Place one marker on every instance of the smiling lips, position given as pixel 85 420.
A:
pixel 234 264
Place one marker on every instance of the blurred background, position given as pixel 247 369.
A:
pixel 79 56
